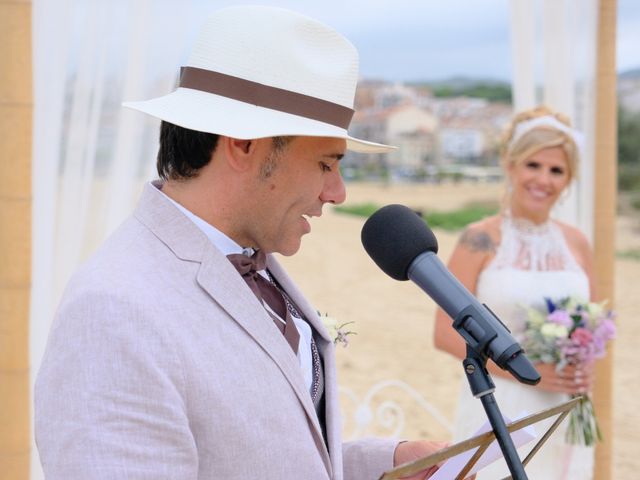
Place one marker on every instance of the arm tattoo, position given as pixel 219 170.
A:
pixel 477 241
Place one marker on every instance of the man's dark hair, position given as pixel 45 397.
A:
pixel 183 152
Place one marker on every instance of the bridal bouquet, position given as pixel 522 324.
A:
pixel 570 332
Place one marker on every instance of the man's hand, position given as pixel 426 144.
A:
pixel 409 451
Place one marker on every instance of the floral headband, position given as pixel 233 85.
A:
pixel 547 121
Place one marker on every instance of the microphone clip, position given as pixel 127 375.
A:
pixel 488 337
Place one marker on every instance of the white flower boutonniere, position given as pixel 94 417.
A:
pixel 337 331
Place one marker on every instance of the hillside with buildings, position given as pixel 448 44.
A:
pixel 629 90
pixel 438 135
pixel 452 129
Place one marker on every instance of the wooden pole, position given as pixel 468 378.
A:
pixel 605 191
pixel 15 237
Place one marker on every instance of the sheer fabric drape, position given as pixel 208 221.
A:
pixel 554 63
pixel 90 155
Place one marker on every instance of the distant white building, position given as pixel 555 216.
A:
pixel 463 144
pixel 455 107
pixel 394 95
pixel 408 127
pixel 471 130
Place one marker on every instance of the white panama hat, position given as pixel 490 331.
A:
pixel 258 71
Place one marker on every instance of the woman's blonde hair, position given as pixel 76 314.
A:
pixel 517 148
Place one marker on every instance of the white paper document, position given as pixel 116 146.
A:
pixel 452 467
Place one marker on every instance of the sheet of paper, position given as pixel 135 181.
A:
pixel 454 465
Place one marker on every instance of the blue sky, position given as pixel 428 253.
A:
pixel 436 39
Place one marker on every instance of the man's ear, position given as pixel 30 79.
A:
pixel 239 153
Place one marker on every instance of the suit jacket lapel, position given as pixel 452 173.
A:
pixel 326 348
pixel 223 283
pixel 221 280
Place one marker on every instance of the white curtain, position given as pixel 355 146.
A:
pixel 554 63
pixel 90 155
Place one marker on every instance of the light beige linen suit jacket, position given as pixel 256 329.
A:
pixel 162 364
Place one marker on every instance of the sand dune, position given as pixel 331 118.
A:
pixel 394 320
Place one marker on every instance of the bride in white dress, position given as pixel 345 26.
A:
pixel 513 260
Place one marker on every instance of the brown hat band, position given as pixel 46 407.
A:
pixel 265 96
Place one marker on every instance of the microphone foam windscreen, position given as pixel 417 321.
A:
pixel 394 236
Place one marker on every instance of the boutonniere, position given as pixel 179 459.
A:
pixel 337 331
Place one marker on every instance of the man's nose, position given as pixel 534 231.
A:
pixel 334 190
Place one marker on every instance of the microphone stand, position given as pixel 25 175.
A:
pixel 475 367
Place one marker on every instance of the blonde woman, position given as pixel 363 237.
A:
pixel 515 259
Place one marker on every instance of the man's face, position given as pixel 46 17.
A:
pixel 292 185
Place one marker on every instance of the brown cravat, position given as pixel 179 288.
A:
pixel 249 267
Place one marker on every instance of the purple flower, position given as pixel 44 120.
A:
pixel 550 305
pixel 599 346
pixel 606 330
pixel 561 317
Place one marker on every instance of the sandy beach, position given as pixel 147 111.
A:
pixel 394 321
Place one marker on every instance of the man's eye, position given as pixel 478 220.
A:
pixel 325 167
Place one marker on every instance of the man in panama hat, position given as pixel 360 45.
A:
pixel 181 349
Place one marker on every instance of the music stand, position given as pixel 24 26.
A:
pixel 482 442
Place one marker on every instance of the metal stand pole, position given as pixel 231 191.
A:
pixel 475 367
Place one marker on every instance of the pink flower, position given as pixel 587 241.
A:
pixel 582 346
pixel 582 337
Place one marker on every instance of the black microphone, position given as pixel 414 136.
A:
pixel 402 245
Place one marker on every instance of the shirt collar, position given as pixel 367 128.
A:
pixel 221 241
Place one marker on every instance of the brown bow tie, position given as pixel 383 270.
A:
pixel 248 267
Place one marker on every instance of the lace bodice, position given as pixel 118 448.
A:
pixel 527 246
pixel 532 262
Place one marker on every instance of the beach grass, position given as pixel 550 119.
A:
pixel 630 254
pixel 451 220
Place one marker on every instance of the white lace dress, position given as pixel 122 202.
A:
pixel 532 262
